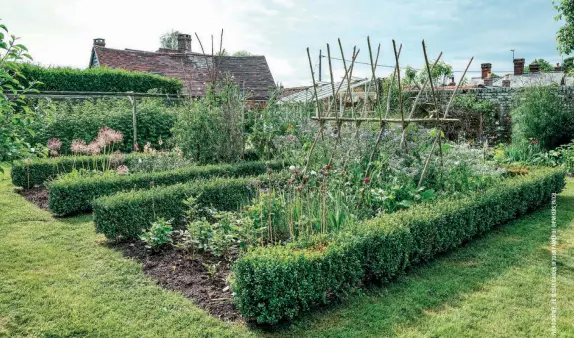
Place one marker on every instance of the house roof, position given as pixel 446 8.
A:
pixel 528 80
pixel 250 73
pixel 324 90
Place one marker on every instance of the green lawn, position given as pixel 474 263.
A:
pixel 57 280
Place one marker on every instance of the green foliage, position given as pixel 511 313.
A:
pixel 169 40
pixel 73 121
pixel 210 129
pixel 441 74
pixel 222 237
pixel 126 214
pixel 159 235
pixel 99 79
pixel 565 34
pixel 16 116
pixel 278 283
pixel 242 53
pixel 28 174
pixel 72 193
pixel 544 66
pixel 540 114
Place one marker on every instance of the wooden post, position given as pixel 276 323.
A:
pixel 134 122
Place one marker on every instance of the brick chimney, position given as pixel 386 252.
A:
pixel 518 66
pixel 558 67
pixel 184 43
pixel 486 69
pixel 534 68
pixel 100 42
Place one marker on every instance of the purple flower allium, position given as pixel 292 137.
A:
pixel 94 148
pixel 79 147
pixel 54 144
pixel 122 170
pixel 107 136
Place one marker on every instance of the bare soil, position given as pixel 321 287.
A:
pixel 176 269
pixel 38 196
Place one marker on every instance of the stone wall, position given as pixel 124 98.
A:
pixel 499 128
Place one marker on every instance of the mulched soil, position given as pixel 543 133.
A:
pixel 38 196
pixel 176 269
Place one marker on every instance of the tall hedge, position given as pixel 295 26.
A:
pixel 277 283
pixel 70 194
pixel 127 214
pixel 82 120
pixel 39 171
pixel 99 79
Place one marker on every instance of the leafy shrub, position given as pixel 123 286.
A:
pixel 71 194
pixel 541 114
pixel 210 129
pixel 28 174
pixel 159 235
pixel 15 113
pixel 126 214
pixel 99 80
pixel 72 121
pixel 279 283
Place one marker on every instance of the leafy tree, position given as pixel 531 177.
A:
pixel 568 65
pixel 565 34
pixel 440 74
pixel 169 39
pixel 545 66
pixel 16 115
pixel 242 53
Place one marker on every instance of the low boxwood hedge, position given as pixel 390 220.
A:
pixel 69 195
pixel 127 214
pixel 272 284
pixel 39 171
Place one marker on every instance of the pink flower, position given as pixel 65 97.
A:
pixel 122 170
pixel 54 144
pixel 107 136
pixel 367 180
pixel 79 147
pixel 160 142
pixel 53 153
pixel 94 148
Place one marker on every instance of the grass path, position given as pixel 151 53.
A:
pixel 57 280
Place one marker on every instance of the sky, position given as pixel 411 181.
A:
pixel 61 32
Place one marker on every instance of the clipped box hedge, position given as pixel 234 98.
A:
pixel 98 79
pixel 127 214
pixel 273 284
pixel 69 195
pixel 40 171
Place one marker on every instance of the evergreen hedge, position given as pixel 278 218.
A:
pixel 74 120
pixel 73 194
pixel 125 215
pixel 39 171
pixel 273 284
pixel 99 79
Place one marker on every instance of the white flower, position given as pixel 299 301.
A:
pixel 292 168
pixel 140 161
pixel 313 172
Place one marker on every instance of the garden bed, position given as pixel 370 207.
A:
pixel 178 270
pixel 38 196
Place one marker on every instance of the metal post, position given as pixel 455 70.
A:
pixel 320 60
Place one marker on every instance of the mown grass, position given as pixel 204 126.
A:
pixel 58 280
